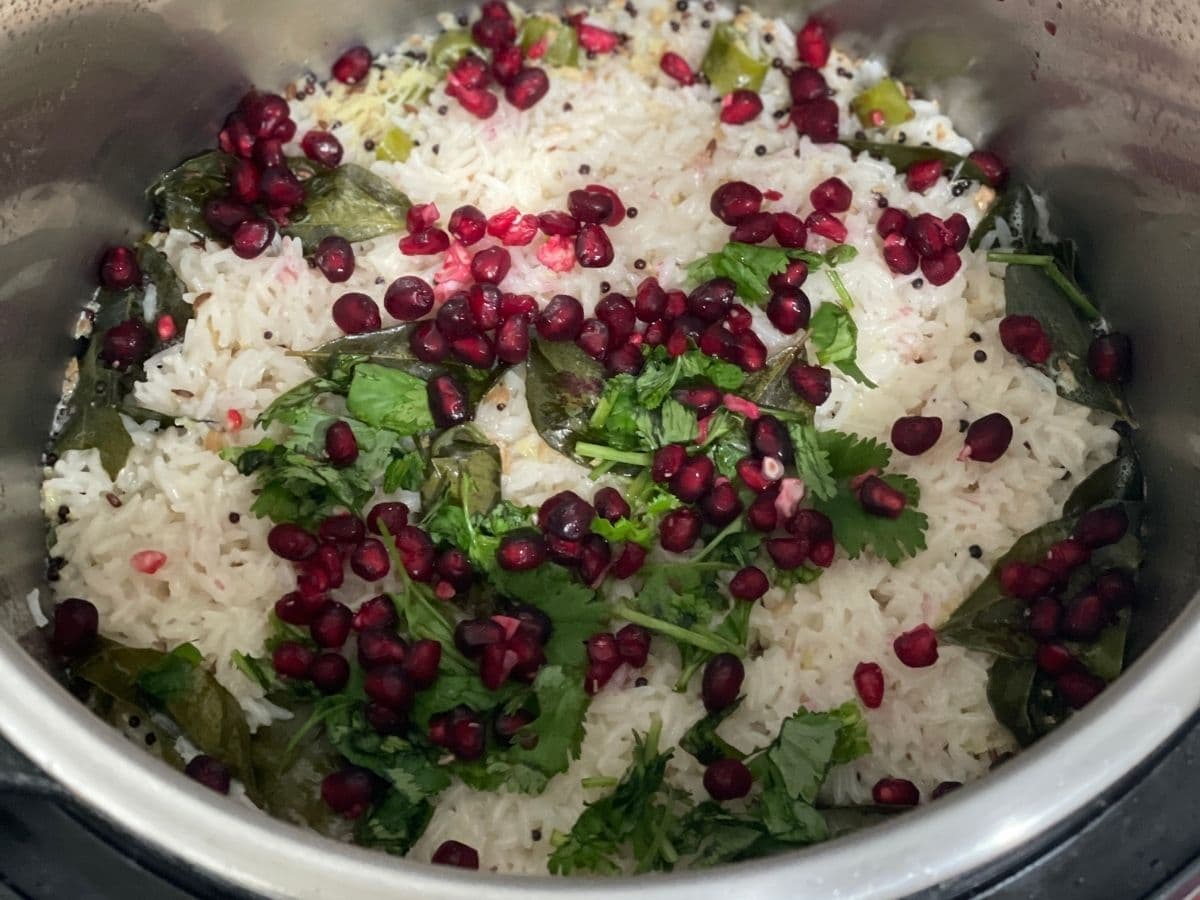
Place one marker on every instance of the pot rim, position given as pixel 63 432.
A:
pixel 981 825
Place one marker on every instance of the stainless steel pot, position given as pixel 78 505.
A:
pixel 1098 104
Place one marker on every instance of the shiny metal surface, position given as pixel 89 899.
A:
pixel 1098 104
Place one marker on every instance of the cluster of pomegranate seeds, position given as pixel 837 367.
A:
pixel 470 78
pixel 608 652
pixel 926 241
pixel 506 646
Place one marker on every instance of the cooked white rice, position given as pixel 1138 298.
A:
pixel 662 149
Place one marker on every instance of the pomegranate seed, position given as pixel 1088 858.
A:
pixel 597 676
pixel 126 344
pixel 329 672
pixel 596 40
pixel 76 624
pixel 704 400
pixel 494 32
pixel 252 237
pixel 787 553
pixel 456 853
pixel 923 175
pixel 754 229
pixel 817 120
pixel 561 319
pixel 447 401
pixel 291 542
pixel 721 505
pixel 356 313
pixel 210 772
pixel 710 301
pixel 392 515
pixel 322 147
pixel 268 154
pixel 593 207
pixel 617 215
pixel 468 737
pixel 734 201
pixel 677 67
pixel 633 645
pixel 454 318
pixel 479 102
pixel 927 235
pixel 630 561
pixel 868 682
pixel 610 504
pixel 1116 589
pixel 331 625
pixel 165 327
pixel 793 276
pixel 1110 358
pixel 1045 614
pixel 353 65
pixel 1023 581
pixel 749 583
pixel 812 383
pixel 348 792
pixel 899 256
pixel 693 479
pixel 602 648
pixel 517 305
pixel 740 106
pixel 1024 336
pixel 383 720
pixel 296 609
pixel 1054 659
pixel 958 231
pixel 651 302
pixel 369 561
pixel 762 515
pixel 789 230
pixel 235 137
pixel 727 779
pixel 468 224
pixel 987 438
pixel 506 64
pixel 812 43
pixel 292 660
pixel 528 87
pixel 993 167
pixel 789 310
pixel 408 298
pixel 378 612
pixel 892 221
pixel 752 352
pixel 389 686
pixel 566 515
pixel 913 435
pixel 593 339
pixel 679 529
pixel 768 437
pixel 429 242
pixel 421 216
pixel 1101 527
pixel 594 559
pixel 917 648
pixel 806 83
pixel 938 270
pixel 558 224
pixel 335 258
pixel 895 792
pixel 617 312
pixel 827 226
pixel 1065 556
pixel 810 525
pixel 119 269
pixel 422 661
pixel 512 340
pixel 593 249
pixel 380 647
pixel 831 196
pixel 721 682
pixel 224 216
pixel 475 350
pixel 279 187
pixel 667 461
pixel 340 444
pixel 520 551
pixel 313 581
pixel 822 553
pixel 495 665
pixel 1079 688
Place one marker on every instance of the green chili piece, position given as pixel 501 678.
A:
pixel 882 104
pixel 395 146
pixel 562 43
pixel 449 47
pixel 728 65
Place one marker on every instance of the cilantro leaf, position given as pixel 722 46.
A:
pixel 389 398
pixel 624 530
pixel 835 338
pixel 749 266
pixel 857 530
pixel 662 372
pixel 404 473
pixel 851 455
pixel 812 462
pixel 172 675
pixel 395 824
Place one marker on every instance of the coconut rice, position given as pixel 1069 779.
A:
pixel 619 121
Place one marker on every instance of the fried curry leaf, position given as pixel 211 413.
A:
pixel 462 459
pixel 1119 479
pixel 562 385
pixel 178 197
pixel 903 156
pixel 349 202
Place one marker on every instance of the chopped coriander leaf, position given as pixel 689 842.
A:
pixel 389 398
pixel 812 462
pixel 572 607
pixel 851 455
pixel 749 266
pixel 857 530
pixel 835 338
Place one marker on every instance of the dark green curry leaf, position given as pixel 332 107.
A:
pixel 349 202
pixel 903 156
pixel 462 457
pixel 562 385
pixel 1009 687
pixel 702 741
pixel 178 197
pixel 1018 211
pixel 1119 479
pixel 770 386
pixel 100 427
pixel 394 824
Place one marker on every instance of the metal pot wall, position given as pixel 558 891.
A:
pixel 1097 104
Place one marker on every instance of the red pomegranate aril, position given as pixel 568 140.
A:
pixel 263 113
pixel 224 216
pixel 322 147
pixel 749 583
pixel 342 528
pixel 593 339
pixel 727 779
pixel 752 473
pixel 1116 588
pixel 313 580
pixel 822 553
pixel 356 313
pixel 734 201
pixel 676 305
pixel 598 675
pixel 126 344
pixel 768 437
pixel 119 269
pixel 899 256
pixel 922 175
pixel 295 609
pixel 421 216
pixel 831 196
pixel 810 524
pixel 468 224
pixel 391 514
pixel 329 672
pixel 787 553
pixel 494 32
pixel 291 659
pixel 291 542
pixel 1024 336
pixel 817 120
pixel 812 383
pixel 926 235
pixel 340 444
pixel 633 645
pixel 914 435
pixel 378 612
pixel 806 83
pixel 826 226
pixel 422 661
pixel 677 67
pixel 335 258
pixel 602 648
pixel 892 221
pixel 651 302
pixel 456 853
pixel 793 276
pixel 349 792
pixel 938 270
pixel 788 229
pixel 76 622
pixel 895 792
pixel 754 229
pixel 740 106
pixel 566 515
pixel 454 319
pixel 667 461
pixel 512 340
pixel 328 559
pixel 383 720
pixel 558 224
pixel 1079 688
pixel 1101 527
pixel 1110 358
pixel 267 154
pixel 993 167
pixel 476 350
pixel 812 43
pixel 594 559
pixel 252 237
pixel 631 560
pixel 679 530
pixel 235 137
pixel 561 320
pixel 527 88
pixel 957 231
pixel 592 207
pixel 532 622
pixel 1054 659
pixel 610 504
pixel 1045 615
pixel 1023 581
pixel 617 312
pixel 352 66
pixel 279 187
pixel 704 400
pixel 331 625
pixel 210 772
pixel 369 561
pixel 1065 556
pixel 496 663
pixel 987 438
pixel 789 310
pixel 869 683
pixel 388 685
pixel 693 479
pixel 1084 617
pixel 506 64
pixel 721 505
pixel 447 401
pixel 917 648
pixel 489 266
pixel 429 242
pixel 716 340
pixel 593 249
pixel 520 551
pixel 722 681
pixel 625 360
pixel 710 300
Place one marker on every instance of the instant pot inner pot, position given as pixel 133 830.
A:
pixel 1096 105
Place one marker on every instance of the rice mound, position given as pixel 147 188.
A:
pixel 661 148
